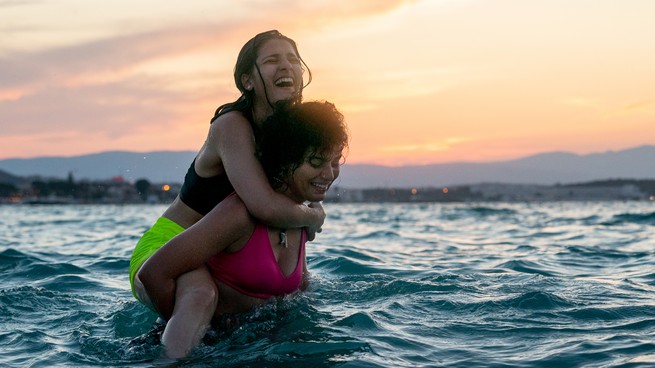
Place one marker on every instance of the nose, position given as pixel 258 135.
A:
pixel 285 64
pixel 329 173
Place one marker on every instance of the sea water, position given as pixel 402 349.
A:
pixel 561 284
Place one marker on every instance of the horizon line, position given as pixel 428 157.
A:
pixel 347 162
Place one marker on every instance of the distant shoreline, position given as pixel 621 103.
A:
pixel 62 192
pixel 541 169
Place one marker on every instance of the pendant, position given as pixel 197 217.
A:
pixel 283 238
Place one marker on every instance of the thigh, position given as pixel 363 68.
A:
pixel 140 292
pixel 159 234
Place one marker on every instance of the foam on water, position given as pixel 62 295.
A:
pixel 403 285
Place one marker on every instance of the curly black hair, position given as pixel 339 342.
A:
pixel 296 131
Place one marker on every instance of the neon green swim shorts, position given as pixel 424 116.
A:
pixel 161 232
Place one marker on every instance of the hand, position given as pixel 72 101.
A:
pixel 317 227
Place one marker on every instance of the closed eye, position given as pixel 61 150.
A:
pixel 316 161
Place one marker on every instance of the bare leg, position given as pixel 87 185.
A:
pixel 196 298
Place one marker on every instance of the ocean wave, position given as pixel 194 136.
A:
pixel 531 267
pixel 391 285
pixel 631 218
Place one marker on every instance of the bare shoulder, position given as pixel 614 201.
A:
pixel 230 123
pixel 228 130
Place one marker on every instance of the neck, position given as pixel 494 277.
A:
pixel 260 113
pixel 287 192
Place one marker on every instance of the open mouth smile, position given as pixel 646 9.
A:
pixel 321 186
pixel 285 82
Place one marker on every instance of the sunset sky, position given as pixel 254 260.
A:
pixel 425 81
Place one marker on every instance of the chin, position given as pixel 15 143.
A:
pixel 285 95
pixel 316 198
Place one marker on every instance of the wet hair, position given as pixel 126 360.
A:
pixel 295 132
pixel 246 63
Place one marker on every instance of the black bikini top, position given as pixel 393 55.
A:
pixel 203 194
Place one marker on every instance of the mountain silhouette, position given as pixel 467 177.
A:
pixel 545 168
pixel 159 167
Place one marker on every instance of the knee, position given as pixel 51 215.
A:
pixel 202 295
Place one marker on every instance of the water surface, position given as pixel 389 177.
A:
pixel 393 285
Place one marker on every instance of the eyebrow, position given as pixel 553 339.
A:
pixel 277 54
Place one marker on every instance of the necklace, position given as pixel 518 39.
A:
pixel 283 238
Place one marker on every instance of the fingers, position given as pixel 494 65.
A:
pixel 311 235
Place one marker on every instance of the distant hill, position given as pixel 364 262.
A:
pixel 7 178
pixel 545 168
pixel 159 167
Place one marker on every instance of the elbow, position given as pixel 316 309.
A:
pixel 265 214
pixel 264 210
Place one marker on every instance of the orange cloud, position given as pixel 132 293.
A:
pixel 407 74
pixel 646 106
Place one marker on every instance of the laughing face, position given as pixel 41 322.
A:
pixel 277 76
pixel 311 180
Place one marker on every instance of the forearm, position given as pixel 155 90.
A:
pixel 284 213
pixel 236 149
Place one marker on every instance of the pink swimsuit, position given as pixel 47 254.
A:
pixel 254 271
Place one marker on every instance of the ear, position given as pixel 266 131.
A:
pixel 246 81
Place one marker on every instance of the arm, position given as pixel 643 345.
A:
pixel 304 284
pixel 232 138
pixel 228 223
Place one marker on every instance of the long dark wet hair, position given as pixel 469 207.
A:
pixel 246 62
